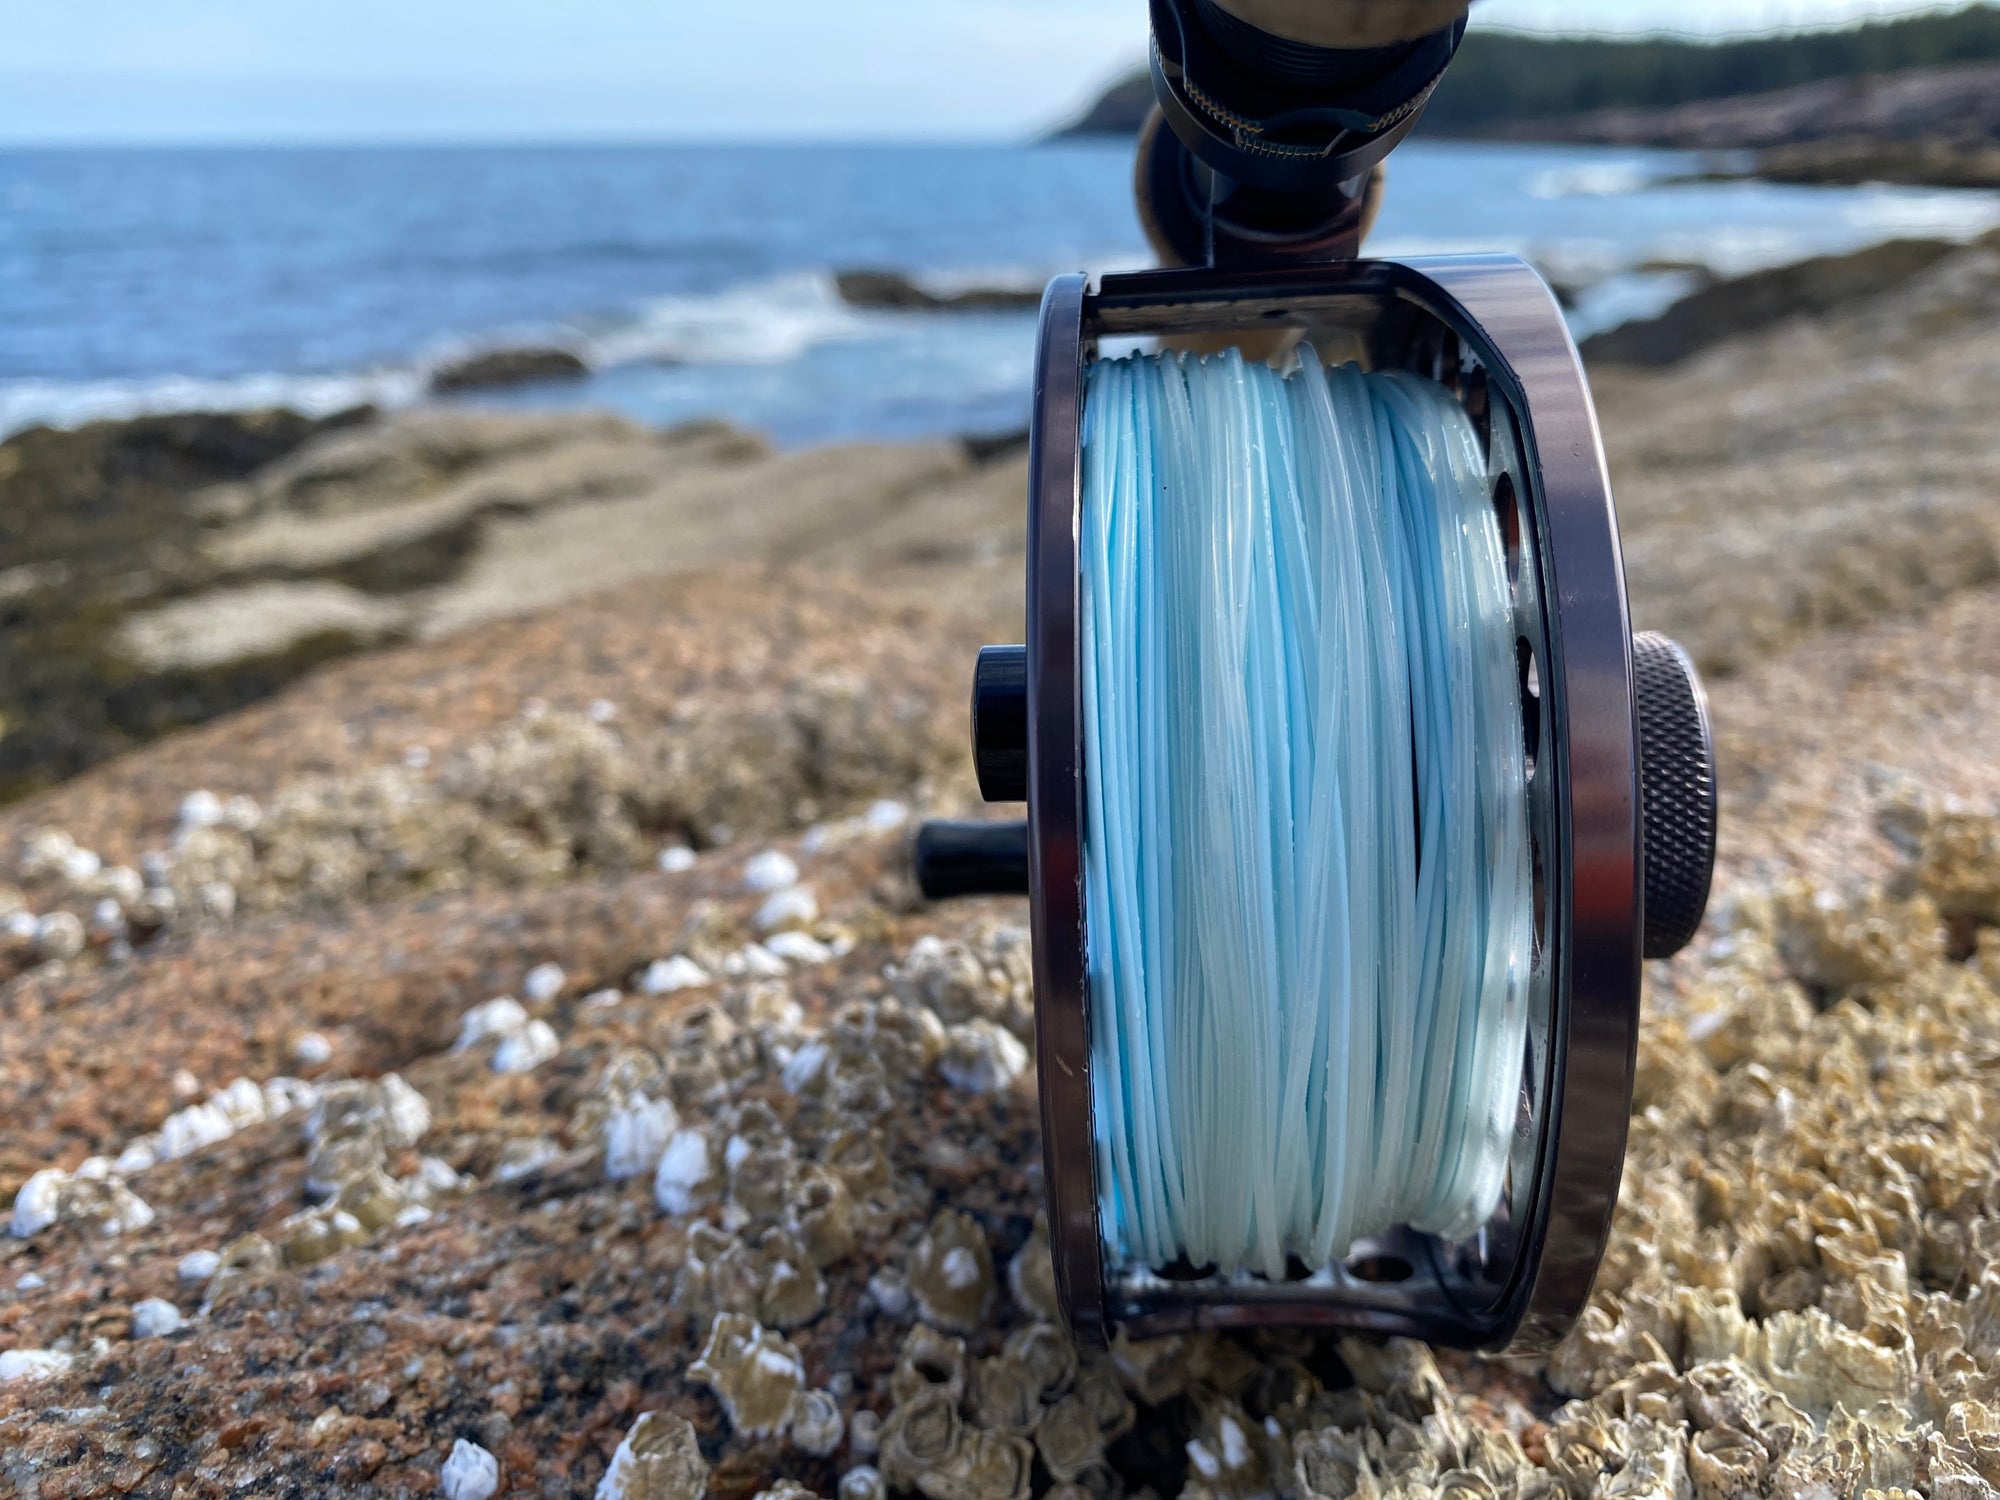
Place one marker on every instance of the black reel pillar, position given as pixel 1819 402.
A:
pixel 1621 798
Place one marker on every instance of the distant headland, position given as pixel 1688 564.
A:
pixel 1910 100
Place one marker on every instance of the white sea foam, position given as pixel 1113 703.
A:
pixel 1610 179
pixel 69 403
pixel 762 322
pixel 767 322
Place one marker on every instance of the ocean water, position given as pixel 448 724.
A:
pixel 698 280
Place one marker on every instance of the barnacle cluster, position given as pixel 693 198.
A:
pixel 1802 1295
pixel 987 976
pixel 1801 1298
pixel 92 1197
pixel 354 1133
pixel 550 796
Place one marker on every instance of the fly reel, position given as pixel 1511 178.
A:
pixel 1619 804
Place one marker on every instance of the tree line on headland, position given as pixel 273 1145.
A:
pixel 1500 78
pixel 1502 81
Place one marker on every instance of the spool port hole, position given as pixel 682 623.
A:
pixel 1531 704
pixel 1507 510
pixel 1380 1268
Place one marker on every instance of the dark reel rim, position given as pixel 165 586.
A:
pixel 1522 1281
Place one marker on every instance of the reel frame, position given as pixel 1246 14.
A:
pixel 1489 327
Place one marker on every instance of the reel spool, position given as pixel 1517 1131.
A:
pixel 1620 800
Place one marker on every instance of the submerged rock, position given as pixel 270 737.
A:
pixel 490 369
pixel 894 291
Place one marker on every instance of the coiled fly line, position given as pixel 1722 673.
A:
pixel 1307 884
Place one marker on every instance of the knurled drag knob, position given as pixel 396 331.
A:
pixel 1677 792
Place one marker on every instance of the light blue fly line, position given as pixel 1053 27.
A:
pixel 1306 867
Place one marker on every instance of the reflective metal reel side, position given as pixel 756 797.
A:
pixel 1055 807
pixel 1489 327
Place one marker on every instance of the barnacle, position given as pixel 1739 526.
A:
pixel 1331 1464
pixel 1156 1369
pixel 761 1162
pixel 720 1274
pixel 817 1425
pixel 349 1150
pixel 523 1155
pixel 864 1433
pixel 760 1177
pixel 786 1489
pixel 770 1009
pixel 1046 1354
pixel 863 1088
pixel 490 1020
pixel 987 978
pixel 928 1360
pixel 527 1049
pixel 659 1459
pixel 951 1271
pixel 244 1263
pixel 902 1040
pixel 90 1198
pixel 1224 1453
pixel 770 870
pixel 1655 1464
pixel 315 1233
pixel 374 1200
pixel 1835 944
pixel 155 1317
pixel 636 1132
pixel 1068 1438
pixel 921 1440
pixel 387 1109
pixel 791 908
pixel 1103 1395
pixel 753 1371
pixel 862 1482
pixel 1957 865
pixel 686 1176
pixel 703 1055
pixel 791 1290
pixel 1031 1275
pixel 821 1214
pixel 987 1466
pixel 1005 1395
pixel 981 1057
pixel 855 1156
pixel 1817 1364
pixel 630 1073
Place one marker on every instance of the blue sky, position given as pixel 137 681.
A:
pixel 330 70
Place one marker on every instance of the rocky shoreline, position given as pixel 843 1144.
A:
pixel 1927 127
pixel 437 1233
pixel 1931 127
pixel 166 570
pixel 514 1061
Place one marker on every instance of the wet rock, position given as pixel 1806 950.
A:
pixel 1743 304
pixel 494 368
pixel 894 291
